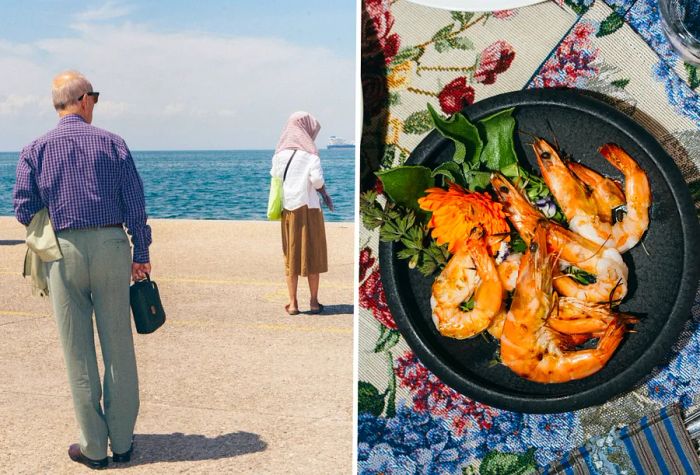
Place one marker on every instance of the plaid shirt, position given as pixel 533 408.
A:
pixel 87 179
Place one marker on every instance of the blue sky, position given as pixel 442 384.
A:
pixel 181 74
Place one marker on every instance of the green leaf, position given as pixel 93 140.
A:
pixel 394 99
pixel 450 170
pixel 499 152
pixel 620 83
pixel 368 399
pixel 407 54
pixel 389 155
pixel 391 388
pixel 464 134
pixel 580 275
pixel 371 211
pixel 467 305
pixel 387 339
pixel 418 123
pixel 577 7
pixel 693 75
pixel 502 463
pixel 611 24
pixel 442 45
pixel 405 184
pixel 477 180
pixel 461 43
pixel 517 244
pixel 462 17
pixel 443 33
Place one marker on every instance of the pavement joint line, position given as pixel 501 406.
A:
pixel 12 313
pixel 192 280
pixel 199 323
pixel 250 282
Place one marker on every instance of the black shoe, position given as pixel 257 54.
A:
pixel 77 456
pixel 123 458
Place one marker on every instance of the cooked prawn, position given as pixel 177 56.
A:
pixel 470 273
pixel 576 316
pixel 604 263
pixel 606 193
pixel 582 208
pixel 531 349
pixel 628 232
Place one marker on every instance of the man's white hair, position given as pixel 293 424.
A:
pixel 68 86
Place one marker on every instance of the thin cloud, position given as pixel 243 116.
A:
pixel 107 11
pixel 181 90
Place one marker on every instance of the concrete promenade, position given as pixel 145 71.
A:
pixel 230 384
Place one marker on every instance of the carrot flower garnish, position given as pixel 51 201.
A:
pixel 459 216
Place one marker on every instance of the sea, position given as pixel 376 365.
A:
pixel 214 184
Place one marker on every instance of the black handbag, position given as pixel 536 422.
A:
pixel 146 306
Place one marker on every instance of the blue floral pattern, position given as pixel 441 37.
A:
pixel 680 379
pixel 410 443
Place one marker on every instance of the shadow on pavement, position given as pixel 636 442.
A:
pixel 11 242
pixel 179 447
pixel 341 309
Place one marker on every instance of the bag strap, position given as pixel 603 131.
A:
pixel 288 163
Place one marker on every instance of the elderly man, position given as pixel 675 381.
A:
pixel 86 178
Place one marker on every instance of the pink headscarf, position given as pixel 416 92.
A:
pixel 299 133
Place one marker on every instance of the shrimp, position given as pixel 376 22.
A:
pixel 585 210
pixel 508 271
pixel 531 349
pixel 604 263
pixel 606 193
pixel 471 272
pixel 578 317
pixel 628 232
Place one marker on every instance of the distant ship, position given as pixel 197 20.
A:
pixel 338 142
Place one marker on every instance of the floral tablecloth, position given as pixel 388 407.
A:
pixel 409 421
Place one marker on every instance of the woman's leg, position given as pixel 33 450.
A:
pixel 314 280
pixel 292 281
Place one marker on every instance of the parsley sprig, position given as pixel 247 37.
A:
pixel 397 223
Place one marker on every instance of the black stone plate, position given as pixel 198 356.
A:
pixel 662 283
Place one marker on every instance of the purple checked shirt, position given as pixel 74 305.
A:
pixel 87 179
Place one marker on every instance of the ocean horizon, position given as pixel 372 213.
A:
pixel 214 184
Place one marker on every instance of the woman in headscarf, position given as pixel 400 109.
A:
pixel 296 161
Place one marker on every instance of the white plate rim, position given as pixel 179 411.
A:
pixel 476 5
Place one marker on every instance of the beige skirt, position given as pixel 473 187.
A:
pixel 304 241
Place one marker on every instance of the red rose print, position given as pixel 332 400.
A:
pixel 494 60
pixel 430 394
pixel 372 297
pixel 366 261
pixel 455 96
pixel 381 22
pixel 504 14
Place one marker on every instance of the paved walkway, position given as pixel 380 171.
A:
pixel 230 384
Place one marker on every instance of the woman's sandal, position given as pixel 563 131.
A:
pixel 291 312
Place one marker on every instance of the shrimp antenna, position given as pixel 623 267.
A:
pixel 554 136
pixel 612 293
pixel 521 131
pixel 596 252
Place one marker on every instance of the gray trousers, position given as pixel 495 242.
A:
pixel 94 276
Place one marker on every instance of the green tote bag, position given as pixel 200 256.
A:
pixel 274 202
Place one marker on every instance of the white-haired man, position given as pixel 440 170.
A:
pixel 86 178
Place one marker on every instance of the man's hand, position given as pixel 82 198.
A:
pixel 139 271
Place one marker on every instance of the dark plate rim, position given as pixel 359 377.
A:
pixel 393 270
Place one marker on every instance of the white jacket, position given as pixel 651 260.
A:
pixel 304 177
